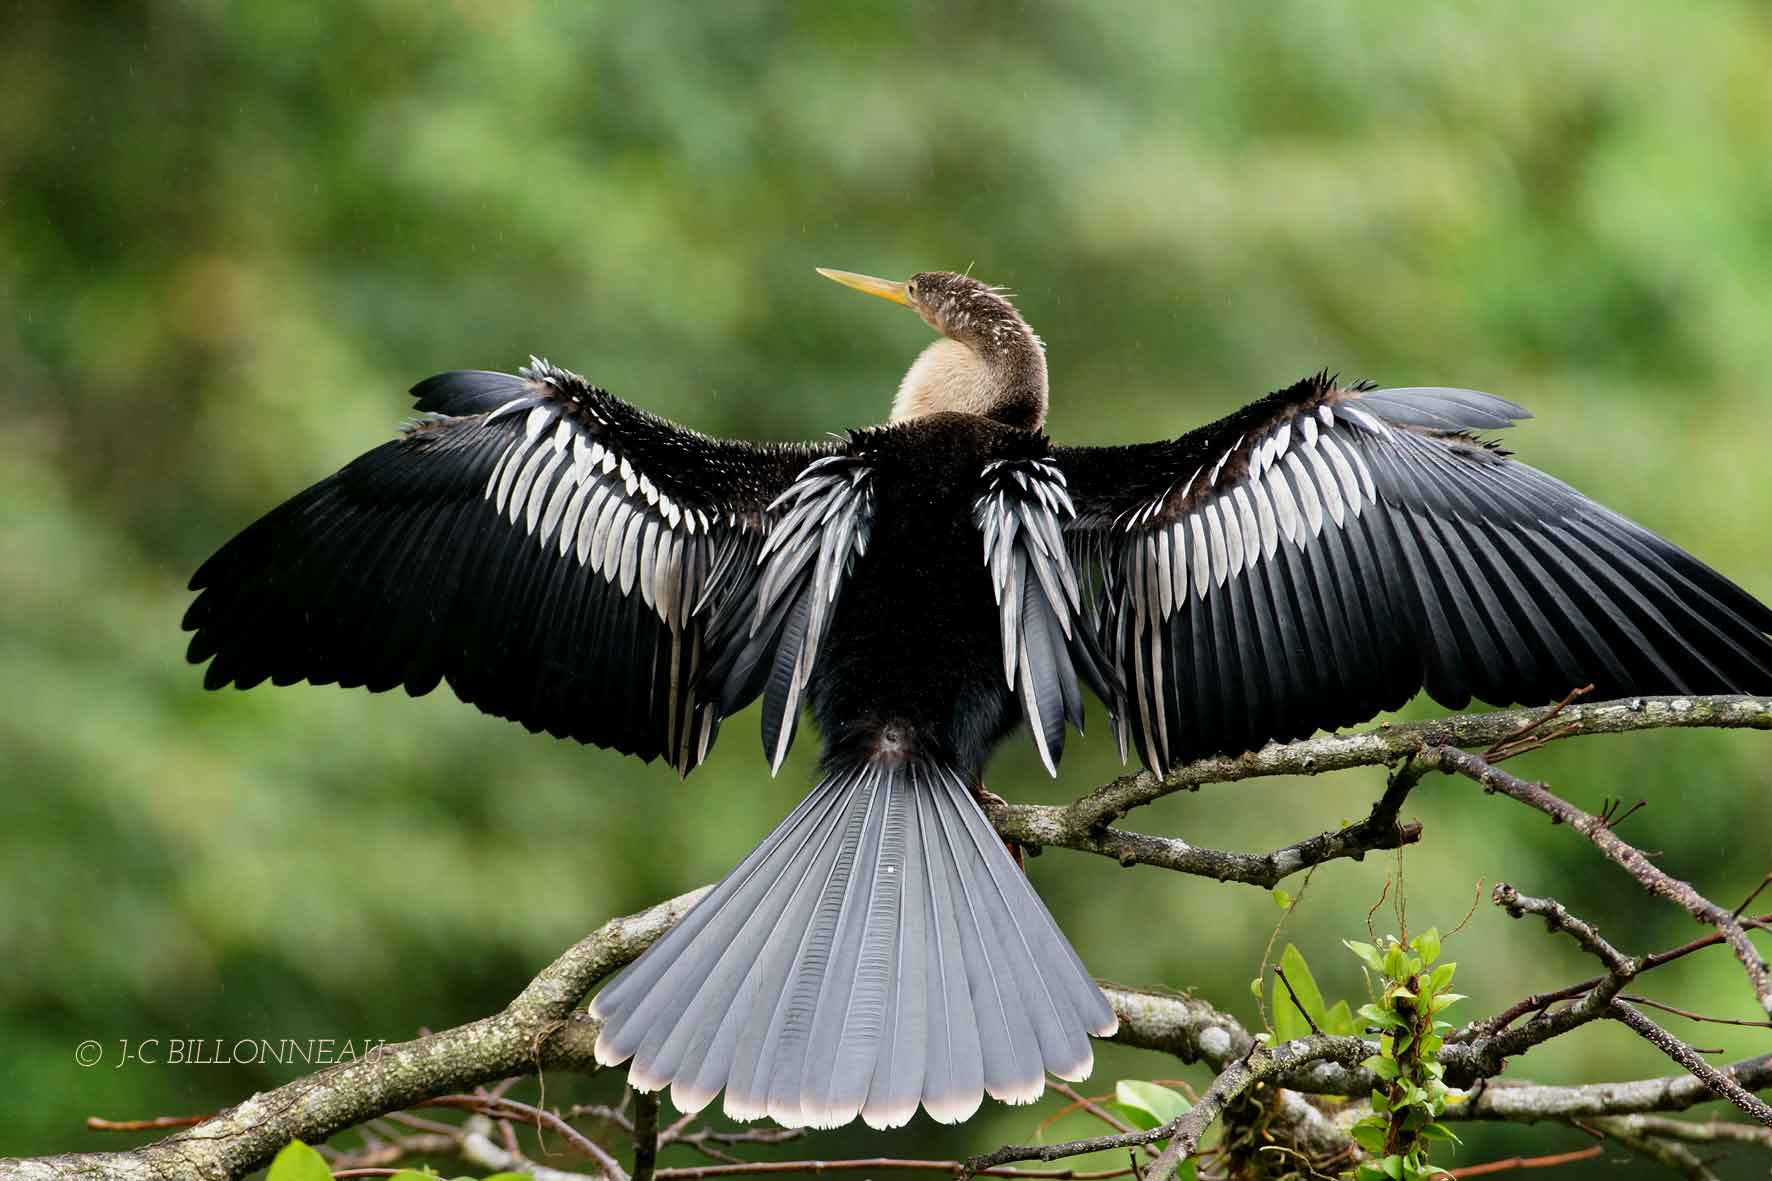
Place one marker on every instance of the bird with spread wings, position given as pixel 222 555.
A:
pixel 926 587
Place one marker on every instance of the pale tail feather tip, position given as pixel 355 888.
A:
pixel 605 1055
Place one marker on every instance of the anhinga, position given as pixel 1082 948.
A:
pixel 566 560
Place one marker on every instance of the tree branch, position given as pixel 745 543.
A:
pixel 1387 744
pixel 541 1029
pixel 1634 861
pixel 1687 1057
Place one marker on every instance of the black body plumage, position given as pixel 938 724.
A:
pixel 566 560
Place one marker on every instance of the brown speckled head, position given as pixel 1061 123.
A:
pixel 988 361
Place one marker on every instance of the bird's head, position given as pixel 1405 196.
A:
pixel 988 361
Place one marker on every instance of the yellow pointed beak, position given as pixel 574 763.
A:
pixel 898 293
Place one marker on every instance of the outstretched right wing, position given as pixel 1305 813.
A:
pixel 1329 551
pixel 555 554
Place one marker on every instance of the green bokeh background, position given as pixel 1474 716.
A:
pixel 232 235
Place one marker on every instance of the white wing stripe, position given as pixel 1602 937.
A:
pixel 1307 495
pixel 1326 487
pixel 564 487
pixel 569 521
pixel 1250 530
pixel 588 523
pixel 1202 558
pixel 1350 487
pixel 1264 516
pixel 525 478
pixel 1233 537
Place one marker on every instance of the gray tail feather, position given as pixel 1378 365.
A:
pixel 879 950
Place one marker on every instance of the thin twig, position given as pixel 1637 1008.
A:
pixel 1080 1102
pixel 1296 1003
pixel 1690 1015
pixel 1514 1163
pixel 488 1105
pixel 1752 894
pixel 1611 815
pixel 420 1124
pixel 96 1123
pixel 1529 735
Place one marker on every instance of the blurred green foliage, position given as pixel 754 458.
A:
pixel 232 235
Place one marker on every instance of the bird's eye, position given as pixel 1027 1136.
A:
pixel 911 287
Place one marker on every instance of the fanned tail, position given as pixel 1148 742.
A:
pixel 879 950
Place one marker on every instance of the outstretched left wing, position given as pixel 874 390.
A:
pixel 558 556
pixel 1327 552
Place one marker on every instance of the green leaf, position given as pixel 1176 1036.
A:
pixel 1255 988
pixel 1147 1105
pixel 1392 1166
pixel 508 1177
pixel 1395 964
pixel 1442 976
pixel 1428 945
pixel 1383 1018
pixel 1440 1132
pixel 1289 1021
pixel 427 1174
pixel 1339 1019
pixel 1282 899
pixel 1445 1000
pixel 1368 1136
pixel 1367 953
pixel 298 1162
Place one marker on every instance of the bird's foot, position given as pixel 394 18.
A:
pixel 988 799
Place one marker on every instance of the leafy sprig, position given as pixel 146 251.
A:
pixel 1407 1107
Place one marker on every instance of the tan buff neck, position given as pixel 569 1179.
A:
pixel 945 376
pixel 950 376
